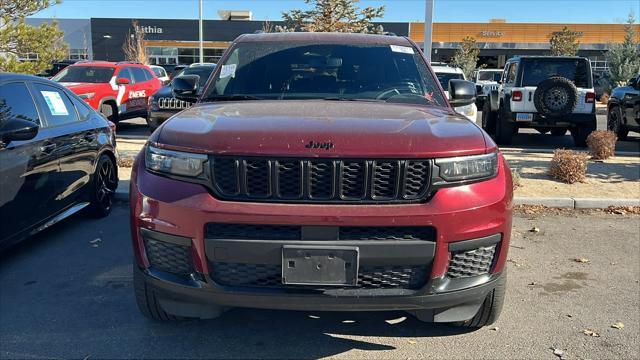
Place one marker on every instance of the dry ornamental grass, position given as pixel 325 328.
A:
pixel 602 144
pixel 568 166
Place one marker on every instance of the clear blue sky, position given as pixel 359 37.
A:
pixel 546 11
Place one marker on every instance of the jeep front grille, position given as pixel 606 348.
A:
pixel 320 180
pixel 172 104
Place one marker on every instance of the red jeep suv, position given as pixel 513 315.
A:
pixel 119 90
pixel 321 171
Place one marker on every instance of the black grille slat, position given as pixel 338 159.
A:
pixel 353 179
pixel 289 175
pixel 294 232
pixel 172 258
pixel 471 262
pixel 270 276
pixel 415 173
pixel 257 178
pixel 386 177
pixel 253 232
pixel 339 181
pixel 226 175
pixel 321 179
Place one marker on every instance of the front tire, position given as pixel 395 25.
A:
pixel 491 307
pixel 488 119
pixel 103 186
pixel 614 123
pixel 147 301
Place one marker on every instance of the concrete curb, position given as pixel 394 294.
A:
pixel 576 203
pixel 508 150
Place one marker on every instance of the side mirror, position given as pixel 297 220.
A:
pixel 462 92
pixel 123 81
pixel 17 129
pixel 185 87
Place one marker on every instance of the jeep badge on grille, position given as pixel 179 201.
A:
pixel 318 145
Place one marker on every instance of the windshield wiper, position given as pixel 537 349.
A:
pixel 232 97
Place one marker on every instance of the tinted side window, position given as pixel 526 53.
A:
pixel 124 73
pixel 16 102
pixel 139 75
pixel 57 106
pixel 84 111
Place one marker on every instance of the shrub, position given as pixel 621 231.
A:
pixel 568 166
pixel 515 176
pixel 602 144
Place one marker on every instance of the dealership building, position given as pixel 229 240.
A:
pixel 176 41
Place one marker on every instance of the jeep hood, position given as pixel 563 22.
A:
pixel 356 129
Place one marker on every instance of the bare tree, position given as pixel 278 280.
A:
pixel 133 46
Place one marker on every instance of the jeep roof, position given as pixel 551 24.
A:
pixel 550 57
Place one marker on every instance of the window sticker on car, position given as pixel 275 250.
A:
pixel 228 70
pixel 55 103
pixel 402 49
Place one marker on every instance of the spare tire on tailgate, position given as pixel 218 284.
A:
pixel 555 97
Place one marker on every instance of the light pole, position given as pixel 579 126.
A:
pixel 428 27
pixel 200 25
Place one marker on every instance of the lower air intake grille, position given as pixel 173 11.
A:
pixel 270 276
pixel 471 262
pixel 172 258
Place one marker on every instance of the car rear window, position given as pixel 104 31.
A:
pixel 282 71
pixel 490 75
pixel 536 70
pixel 85 74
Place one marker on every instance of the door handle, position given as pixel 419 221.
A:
pixel 47 148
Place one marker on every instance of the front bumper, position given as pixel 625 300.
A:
pixel 464 217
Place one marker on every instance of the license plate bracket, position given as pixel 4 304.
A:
pixel 320 265
pixel 524 117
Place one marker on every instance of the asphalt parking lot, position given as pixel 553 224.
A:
pixel 526 138
pixel 67 293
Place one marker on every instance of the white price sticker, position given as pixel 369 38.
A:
pixel 55 103
pixel 228 70
pixel 402 49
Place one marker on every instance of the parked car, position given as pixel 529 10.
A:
pixel 57 157
pixel 160 73
pixel 321 171
pixel 486 80
pixel 163 104
pixel 446 73
pixel 119 90
pixel 547 93
pixel 56 67
pixel 623 109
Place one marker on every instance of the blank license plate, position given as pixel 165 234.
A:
pixel 524 117
pixel 309 265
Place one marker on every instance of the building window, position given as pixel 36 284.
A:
pixel 78 54
pixel 28 57
pixel 183 56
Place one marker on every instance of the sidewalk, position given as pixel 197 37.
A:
pixel 613 182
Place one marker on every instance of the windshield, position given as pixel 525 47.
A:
pixel 204 72
pixel 324 71
pixel 85 74
pixel 536 70
pixel 445 77
pixel 489 75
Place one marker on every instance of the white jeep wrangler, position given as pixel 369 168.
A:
pixel 486 80
pixel 547 93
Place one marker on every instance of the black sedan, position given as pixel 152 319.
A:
pixel 57 157
pixel 623 109
pixel 163 104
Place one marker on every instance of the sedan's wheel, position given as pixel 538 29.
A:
pixel 105 182
pixel 558 131
pixel 614 123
